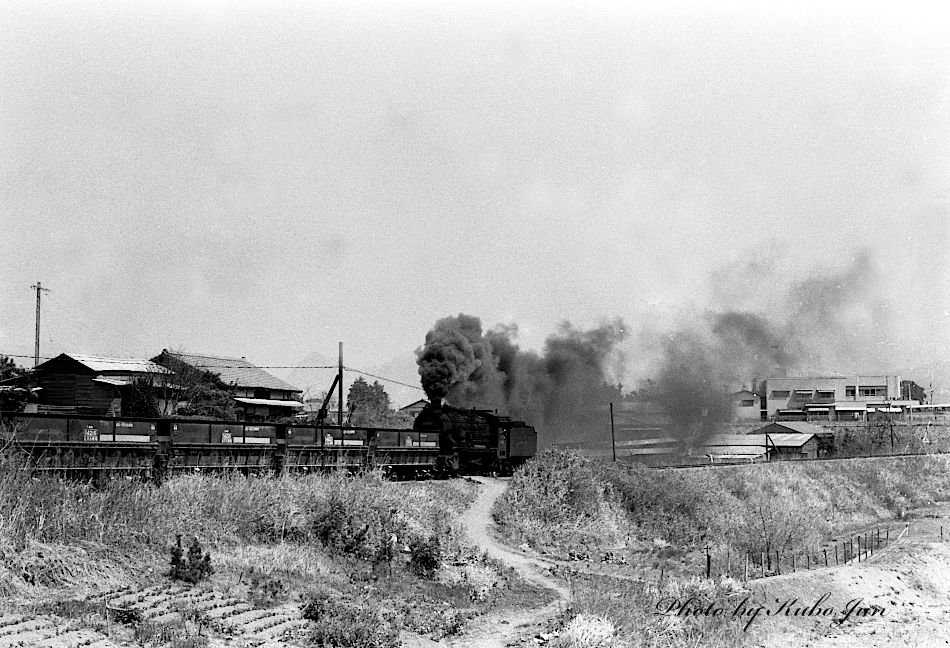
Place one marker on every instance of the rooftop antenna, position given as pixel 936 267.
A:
pixel 38 287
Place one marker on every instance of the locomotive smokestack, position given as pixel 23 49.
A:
pixel 436 403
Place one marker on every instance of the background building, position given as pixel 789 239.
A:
pixel 257 395
pixel 833 398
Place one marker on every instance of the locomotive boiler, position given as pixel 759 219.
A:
pixel 475 441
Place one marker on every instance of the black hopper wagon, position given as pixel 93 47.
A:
pixel 443 441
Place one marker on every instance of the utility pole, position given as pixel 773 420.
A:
pixel 613 440
pixel 38 287
pixel 339 376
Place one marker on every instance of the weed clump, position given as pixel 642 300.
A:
pixel 190 568
pixel 267 591
pixel 425 555
pixel 339 623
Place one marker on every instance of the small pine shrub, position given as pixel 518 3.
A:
pixel 425 555
pixel 192 567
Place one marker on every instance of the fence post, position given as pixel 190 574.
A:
pixel 859 548
pixel 793 562
pixel 808 557
pixel 745 571
pixel 887 537
pixel 778 563
pixel 825 550
pixel 836 553
pixel 763 564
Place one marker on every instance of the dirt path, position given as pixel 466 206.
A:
pixel 504 627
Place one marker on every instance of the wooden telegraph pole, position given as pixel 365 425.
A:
pixel 339 376
pixel 38 287
pixel 613 440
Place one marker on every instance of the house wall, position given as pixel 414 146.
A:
pixel 75 390
pixel 807 451
pixel 747 406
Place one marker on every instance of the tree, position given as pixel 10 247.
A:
pixel 190 392
pixel 13 398
pixel 9 368
pixel 368 404
pixel 912 391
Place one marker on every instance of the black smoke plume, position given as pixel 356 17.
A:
pixel 561 391
pixel 829 322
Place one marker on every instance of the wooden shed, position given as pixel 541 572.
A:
pixel 81 384
pixel 824 439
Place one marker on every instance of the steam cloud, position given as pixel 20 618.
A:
pixel 558 391
pixel 830 322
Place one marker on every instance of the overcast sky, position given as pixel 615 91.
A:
pixel 264 179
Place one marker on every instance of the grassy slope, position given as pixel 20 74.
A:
pixel 565 504
pixel 269 538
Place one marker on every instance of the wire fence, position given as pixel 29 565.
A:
pixel 844 550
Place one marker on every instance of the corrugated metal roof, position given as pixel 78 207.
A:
pixel 735 451
pixel 270 401
pixel 633 452
pixel 794 426
pixel 646 442
pixel 234 371
pixel 99 363
pixel 117 382
pixel 735 440
pixel 789 440
pixel 782 440
pixel 851 406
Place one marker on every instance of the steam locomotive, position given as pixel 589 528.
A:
pixel 444 441
pixel 476 440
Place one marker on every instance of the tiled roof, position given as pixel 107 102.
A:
pixel 234 371
pixel 99 363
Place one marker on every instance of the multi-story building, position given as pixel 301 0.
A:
pixel 830 397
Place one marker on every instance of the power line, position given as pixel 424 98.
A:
pixel 103 360
pixel 395 382
pixel 119 361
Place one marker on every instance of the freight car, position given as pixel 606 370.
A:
pixel 158 447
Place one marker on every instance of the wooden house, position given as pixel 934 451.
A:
pixel 258 395
pixel 80 384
